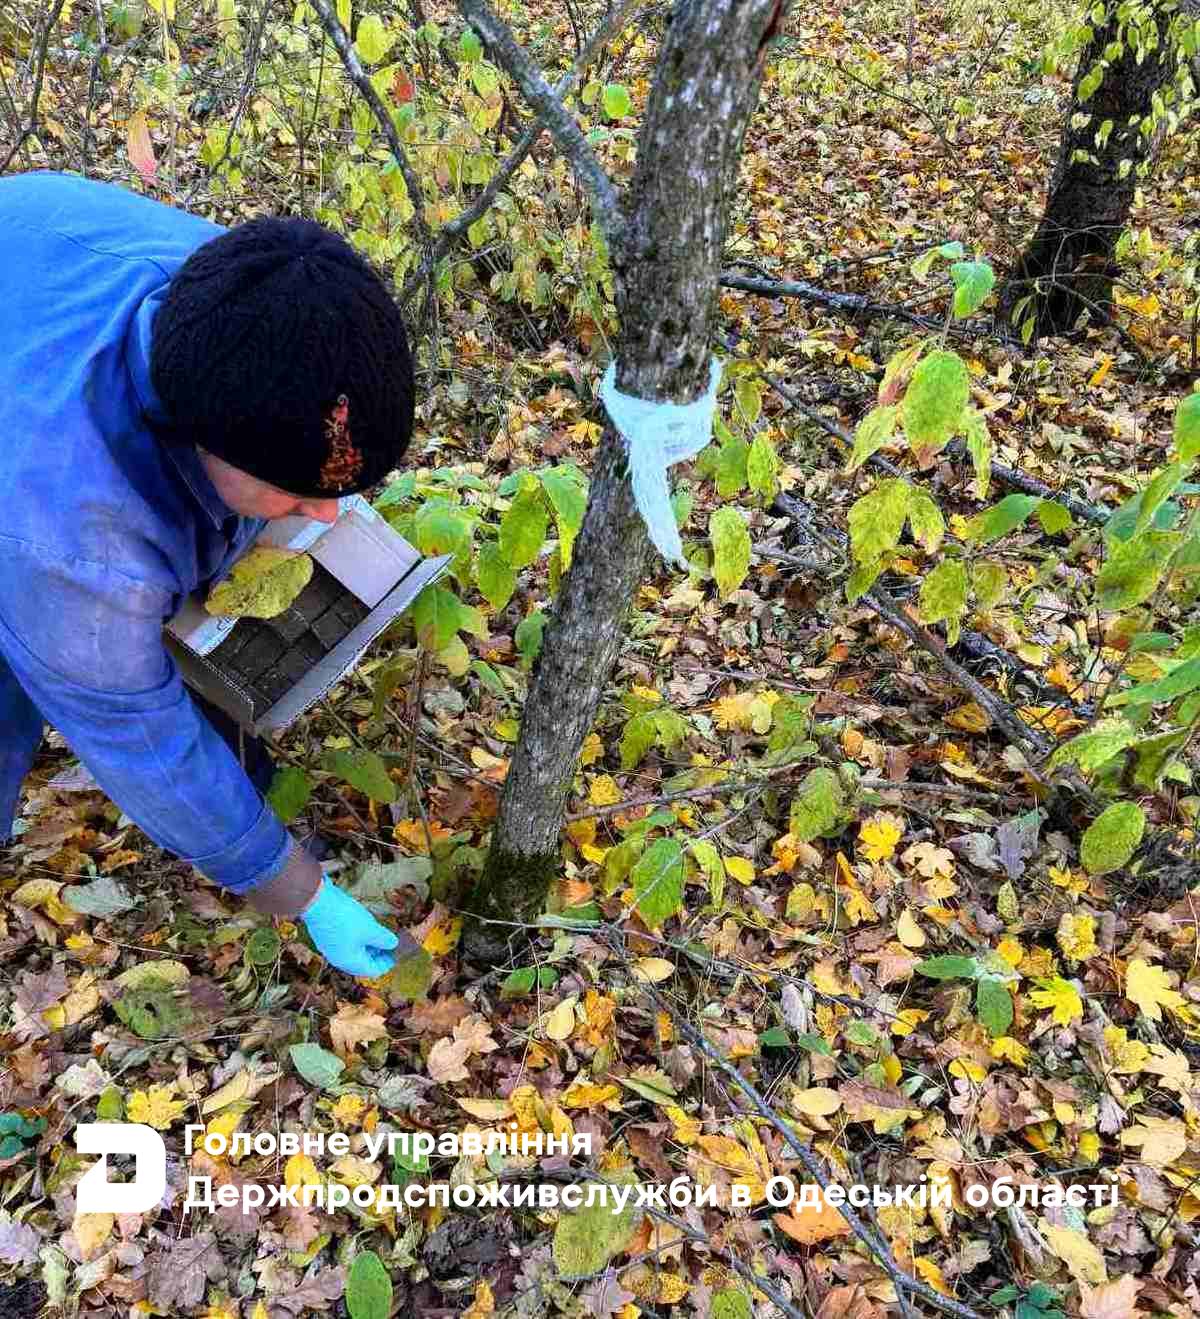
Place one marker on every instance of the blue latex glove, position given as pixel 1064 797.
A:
pixel 346 933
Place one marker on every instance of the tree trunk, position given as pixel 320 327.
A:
pixel 1069 263
pixel 666 266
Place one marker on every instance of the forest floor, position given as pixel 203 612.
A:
pixel 879 133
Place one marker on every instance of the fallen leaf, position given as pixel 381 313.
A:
pixel 354 1024
pixel 1111 1300
pixel 1084 1261
pixel 812 1223
pixel 1148 987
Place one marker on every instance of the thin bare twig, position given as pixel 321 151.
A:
pixel 564 128
pixel 872 1239
pixel 39 71
pixel 453 230
pixel 357 75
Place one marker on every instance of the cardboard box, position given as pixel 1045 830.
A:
pixel 265 673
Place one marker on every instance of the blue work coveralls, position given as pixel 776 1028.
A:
pixel 105 528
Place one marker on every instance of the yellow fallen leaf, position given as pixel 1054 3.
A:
pixel 349 1110
pixel 1010 1050
pixel 1149 988
pixel 653 969
pixel 156 1107
pixel 685 1128
pixel 604 791
pixel 483 1304
pixel 34 892
pixel 487 1110
pixel 91 1231
pixel 1084 1261
pixel 655 1286
pixel 971 718
pixel 908 931
pixel 737 867
pixel 592 749
pixel 1128 1055
pixel 1161 1139
pixel 443 937
pixel 586 1094
pixel 233 1090
pixel 817 1101
pixel 929 1272
pixel 300 1170
pixel 1061 997
pixel 878 836
pixel 1097 377
pixel 1077 936
pixel 559 1022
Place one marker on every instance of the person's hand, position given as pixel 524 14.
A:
pixel 346 933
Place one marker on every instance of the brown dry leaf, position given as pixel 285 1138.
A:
pixel 447 1060
pixel 354 1024
pixel 1111 1300
pixel 818 1101
pixel 810 1224
pixel 1162 1139
pixel 438 1017
pixel 475 1034
pixel 849 1303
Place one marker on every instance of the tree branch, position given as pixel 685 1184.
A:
pixel 453 230
pixel 52 15
pixel 873 1240
pixel 568 136
pixel 358 76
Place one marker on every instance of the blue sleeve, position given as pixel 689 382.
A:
pixel 86 645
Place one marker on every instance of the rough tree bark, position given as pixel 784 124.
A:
pixel 666 257
pixel 1069 263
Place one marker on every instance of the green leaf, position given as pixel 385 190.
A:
pixel 154 1013
pixel 732 467
pixel 1053 516
pixel 1154 756
pixel 709 860
pixel 926 521
pixel 897 372
pixel 1178 682
pixel 441 528
pixel 374 882
pixel 289 792
pixel 616 100
pixel 731 549
pixel 877 519
pixel 775 1038
pixel 762 467
pixel 568 498
pixel 748 392
pixel 1157 492
pixel 818 807
pixel 934 401
pixel 437 614
pixel 1187 428
pixel 1112 838
pixel 586 1239
pixel 979 446
pixel 368 1288
pixel 994 1006
pixel 872 433
pixel 495 576
pixel 988 581
pixel 409 977
pixel 658 881
pixel 730 1304
pixel 1133 570
pixel 318 1066
pixel 102 898
pixel 262 947
pixel 372 40
pixel 528 636
pixel 814 1044
pixel 1096 747
pixel 363 770
pixel 263 583
pixel 639 736
pixel 973 281
pixel 949 967
pixel 1122 521
pixel 1001 518
pixel 944 597
pixel 469 46
pixel 524 526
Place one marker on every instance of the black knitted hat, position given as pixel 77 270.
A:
pixel 279 349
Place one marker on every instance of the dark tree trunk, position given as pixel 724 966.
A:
pixel 1069 263
pixel 666 269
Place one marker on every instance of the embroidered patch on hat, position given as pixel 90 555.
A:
pixel 344 462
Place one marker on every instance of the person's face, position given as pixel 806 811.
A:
pixel 252 498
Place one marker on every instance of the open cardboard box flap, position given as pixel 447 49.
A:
pixel 362 552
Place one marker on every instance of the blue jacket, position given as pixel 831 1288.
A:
pixel 104 530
